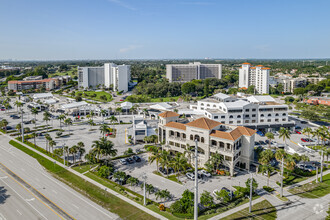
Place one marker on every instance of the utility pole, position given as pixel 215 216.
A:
pixel 144 177
pixel 282 177
pixel 22 127
pixel 317 174
pixel 63 153
pixel 196 182
pixel 250 206
pixel 321 166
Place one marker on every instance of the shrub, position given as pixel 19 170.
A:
pixel 104 171
pixel 268 189
pixel 161 207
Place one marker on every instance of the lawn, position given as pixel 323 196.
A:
pixel 166 99
pixel 97 97
pixel 69 72
pixel 261 210
pixel 96 194
pixel 174 178
pixel 84 168
pixel 313 190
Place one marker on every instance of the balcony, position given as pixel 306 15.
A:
pixel 172 137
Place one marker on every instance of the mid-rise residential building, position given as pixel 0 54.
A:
pixel 196 70
pixel 318 100
pixel 257 76
pixel 256 112
pixel 109 75
pixel 38 83
pixel 234 143
pixel 290 83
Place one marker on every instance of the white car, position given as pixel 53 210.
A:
pixel 190 176
pixel 123 161
pixel 203 172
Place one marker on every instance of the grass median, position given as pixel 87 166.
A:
pixel 108 201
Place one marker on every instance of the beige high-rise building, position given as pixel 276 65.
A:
pixel 257 76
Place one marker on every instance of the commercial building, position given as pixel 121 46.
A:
pixel 234 143
pixel 196 70
pixel 38 83
pixel 109 75
pixel 257 76
pixel 256 112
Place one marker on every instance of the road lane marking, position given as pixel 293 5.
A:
pixel 29 200
pixel 18 212
pixel 54 191
pixel 35 195
pixel 75 206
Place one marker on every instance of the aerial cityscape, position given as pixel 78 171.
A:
pixel 122 109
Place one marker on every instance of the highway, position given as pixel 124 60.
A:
pixel 27 191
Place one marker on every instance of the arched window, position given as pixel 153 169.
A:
pixel 171 132
pixel 202 140
pixel 191 137
pixel 208 105
pixel 202 104
pixel 222 144
pixel 276 114
pixel 262 115
pixel 231 116
pixel 284 114
pixel 184 135
pixel 238 116
pixel 269 115
pixel 214 143
pixel 197 137
pixel 177 134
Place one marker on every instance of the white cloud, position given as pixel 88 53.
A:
pixel 123 4
pixel 129 48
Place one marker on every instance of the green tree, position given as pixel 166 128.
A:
pixel 104 129
pixel 155 156
pixel 165 160
pixel 179 163
pixel 266 156
pixel 61 118
pixel 270 137
pixel 307 131
pixel 310 115
pixel 35 111
pixel 284 134
pixel 254 184
pixel 133 181
pixel 188 88
pixel 104 171
pixel 68 122
pixel 223 196
pixel 206 199
pixel 267 169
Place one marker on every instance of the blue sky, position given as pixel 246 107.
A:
pixel 156 29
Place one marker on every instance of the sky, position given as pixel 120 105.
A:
pixel 164 29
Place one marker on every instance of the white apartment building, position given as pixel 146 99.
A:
pixel 196 70
pixel 257 76
pixel 234 143
pixel 256 112
pixel 118 76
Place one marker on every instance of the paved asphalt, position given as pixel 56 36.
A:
pixel 27 191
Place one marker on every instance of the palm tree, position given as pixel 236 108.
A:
pixel 216 160
pixel 280 154
pixel 18 104
pixel 113 119
pixel 156 155
pixel 267 169
pixel 52 144
pixel 34 135
pixel 285 134
pixel 46 118
pixel 103 113
pixel 133 181
pixel 149 188
pixel 266 156
pixel 91 123
pixel 290 163
pixel 179 163
pixel 103 147
pixel 61 118
pixel 270 137
pixel 35 111
pixel 189 152
pixel 4 124
pixel 307 131
pixel 81 149
pixel 68 122
pixel 91 113
pixel 104 129
pixel 19 128
pixel 165 160
pixel 318 132
pixel 48 139
pixel 74 150
pixel 145 112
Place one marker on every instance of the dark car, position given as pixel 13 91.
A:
pixel 298 127
pixel 130 160
pixel 27 122
pixel 163 170
pixel 256 143
pixel 136 158
pixel 303 122
pixel 9 128
pixel 262 142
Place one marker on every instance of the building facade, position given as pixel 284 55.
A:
pixel 234 143
pixel 256 112
pixel 117 76
pixel 257 76
pixel 196 70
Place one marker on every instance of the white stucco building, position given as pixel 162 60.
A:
pixel 118 76
pixel 257 76
pixel 234 143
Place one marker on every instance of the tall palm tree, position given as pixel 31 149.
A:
pixel 81 149
pixel 46 118
pixel 165 160
pixel 179 162
pixel 74 150
pixel 68 122
pixel 267 169
pixel 19 128
pixel 34 135
pixel 270 137
pixel 112 120
pixel 290 163
pixel 285 134
pixel 188 151
pixel 91 123
pixel 35 111
pixel 317 133
pixel 280 154
pixel 155 156
pixel 266 156
pixel 103 147
pixel 52 144
pixel 307 131
pixel 103 113
pixel 91 113
pixel 18 104
pixel 48 139
pixel 61 118
pixel 4 124
pixel 104 129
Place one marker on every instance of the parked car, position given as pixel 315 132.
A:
pixel 27 122
pixel 190 176
pixel 256 143
pixel 123 161
pixel 204 173
pixel 15 116
pixel 163 170
pixel 136 158
pixel 298 132
pixel 276 133
pixel 130 160
pixel 108 134
pixel 303 122
pixel 298 127
pixel 260 133
pixel 223 188
pixel 262 142
pixel 303 140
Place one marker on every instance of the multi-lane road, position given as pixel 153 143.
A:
pixel 27 191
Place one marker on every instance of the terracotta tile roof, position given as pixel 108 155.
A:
pixel 234 134
pixel 168 114
pixel 252 68
pixel 246 63
pixel 204 123
pixel 260 65
pixel 265 68
pixel 244 88
pixel 29 81
pixel 176 125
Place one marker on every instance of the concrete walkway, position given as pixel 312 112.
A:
pixel 156 215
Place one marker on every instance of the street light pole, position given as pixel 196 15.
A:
pixel 196 182
pixel 317 174
pixel 250 206
pixel 282 177
pixel 144 177
pixel 321 173
pixel 22 127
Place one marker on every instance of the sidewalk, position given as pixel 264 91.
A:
pixel 306 181
pixel 237 209
pixel 156 215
